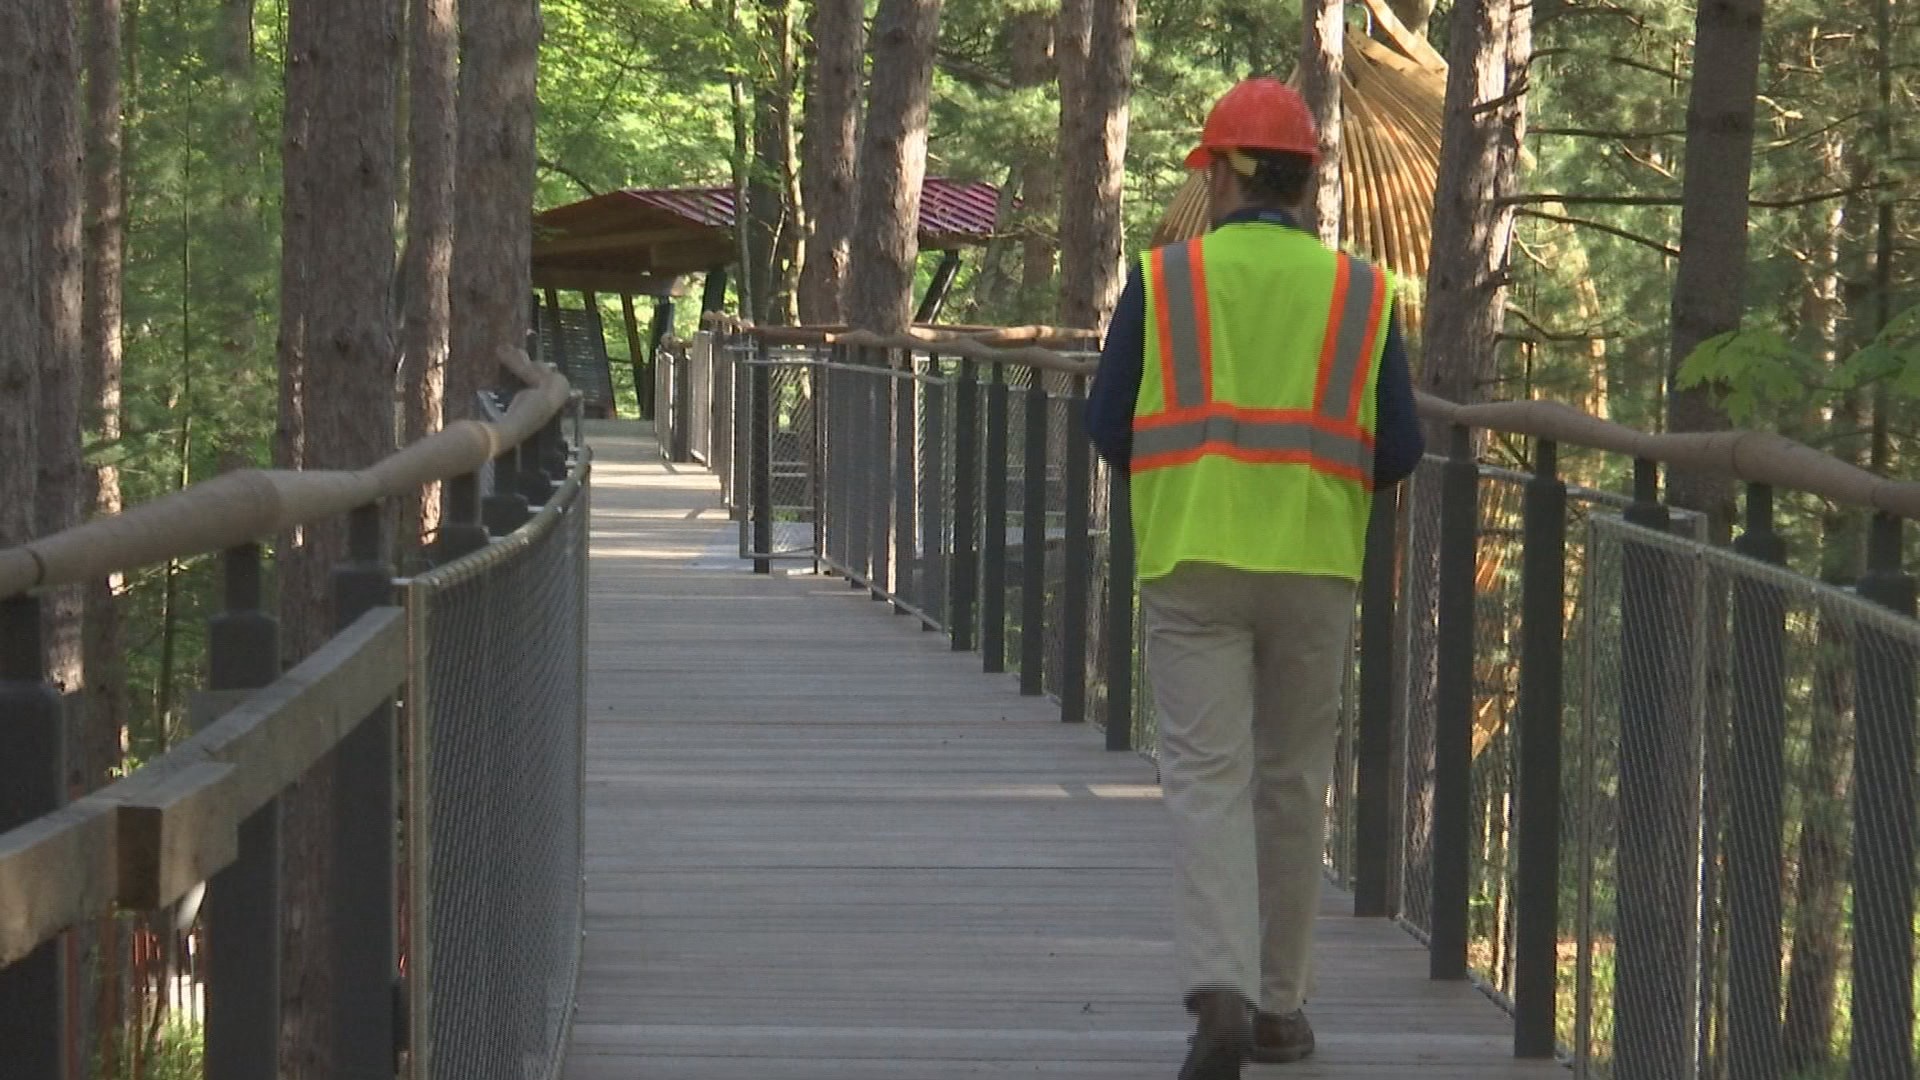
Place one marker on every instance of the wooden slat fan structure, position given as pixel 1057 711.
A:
pixel 1391 105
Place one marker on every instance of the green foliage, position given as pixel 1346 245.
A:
pixel 1760 373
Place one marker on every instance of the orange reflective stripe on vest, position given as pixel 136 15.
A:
pixel 1328 439
pixel 1352 325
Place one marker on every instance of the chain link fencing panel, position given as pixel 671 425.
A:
pixel 496 709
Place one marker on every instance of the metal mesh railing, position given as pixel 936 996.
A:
pixel 496 707
pixel 1744 842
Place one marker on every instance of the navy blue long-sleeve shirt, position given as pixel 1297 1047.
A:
pixel 1398 442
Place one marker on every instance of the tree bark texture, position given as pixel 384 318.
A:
pixel 838 29
pixel 343 56
pixel 433 79
pixel 769 212
pixel 1479 166
pixel 1709 286
pixel 1016 274
pixel 1322 64
pixel 893 165
pixel 493 223
pixel 102 320
pixel 23 64
pixel 1093 150
pixel 60 485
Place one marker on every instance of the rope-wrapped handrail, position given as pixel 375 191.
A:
pixel 244 506
pixel 1757 457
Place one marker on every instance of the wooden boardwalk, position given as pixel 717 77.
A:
pixel 821 845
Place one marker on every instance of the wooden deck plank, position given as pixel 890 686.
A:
pixel 820 844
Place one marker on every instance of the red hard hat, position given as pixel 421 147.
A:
pixel 1258 114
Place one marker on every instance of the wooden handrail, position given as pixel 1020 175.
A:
pixel 1757 457
pixel 247 505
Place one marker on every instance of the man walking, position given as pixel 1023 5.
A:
pixel 1255 385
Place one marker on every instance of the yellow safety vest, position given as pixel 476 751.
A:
pixel 1253 429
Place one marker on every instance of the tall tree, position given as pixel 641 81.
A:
pixel 1016 273
pixel 893 166
pixel 1322 70
pixel 493 220
pixel 1491 42
pixel 1709 289
pixel 23 66
pixel 838 32
pixel 343 56
pixel 770 210
pixel 102 299
pixel 60 488
pixel 1093 146
pixel 433 35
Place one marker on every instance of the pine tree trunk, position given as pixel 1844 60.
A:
pixel 434 67
pixel 102 626
pixel 343 56
pixel 1479 166
pixel 1093 165
pixel 893 165
pixel 838 29
pixel 21 184
pixel 1030 38
pixel 768 211
pixel 61 486
pixel 1322 70
pixel 493 223
pixel 1709 287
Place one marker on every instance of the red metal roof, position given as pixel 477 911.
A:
pixel 952 209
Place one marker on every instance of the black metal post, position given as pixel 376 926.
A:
pixel 505 509
pixel 1453 711
pixel 904 500
pixel 1374 802
pixel 1883 800
pixel 460 530
pixel 1033 542
pixel 680 410
pixel 1543 593
pixel 966 492
pixel 1119 628
pixel 535 482
pixel 856 389
pixel 32 774
pixel 880 488
pixel 993 585
pixel 1758 777
pixel 933 496
pixel 661 326
pixel 242 909
pixel 760 448
pixel 1654 969
pixel 364 945
pixel 1077 554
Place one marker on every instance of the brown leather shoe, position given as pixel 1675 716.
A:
pixel 1278 1039
pixel 1222 1035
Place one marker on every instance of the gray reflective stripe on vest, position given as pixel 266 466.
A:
pixel 1181 300
pixel 1260 436
pixel 1352 332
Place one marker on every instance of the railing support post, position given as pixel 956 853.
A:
pixel 1542 642
pixel 965 571
pixel 1654 969
pixel 460 532
pixel 362 903
pixel 1373 790
pixel 1119 629
pixel 1453 710
pixel 505 509
pixel 934 589
pixel 1033 541
pixel 904 495
pixel 242 911
pixel 993 585
pixel 1883 787
pixel 880 466
pixel 1076 554
pixel 1758 775
pixel 32 773
pixel 760 447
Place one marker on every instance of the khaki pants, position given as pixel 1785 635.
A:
pixel 1248 670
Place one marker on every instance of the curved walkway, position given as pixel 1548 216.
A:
pixel 821 845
